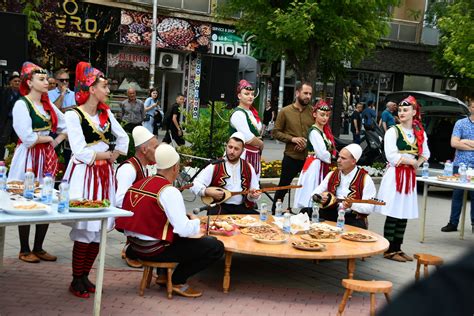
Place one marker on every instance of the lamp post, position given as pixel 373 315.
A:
pixel 153 46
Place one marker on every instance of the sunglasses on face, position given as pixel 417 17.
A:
pixel 249 88
pixel 63 80
pixel 405 103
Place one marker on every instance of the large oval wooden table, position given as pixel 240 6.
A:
pixel 345 250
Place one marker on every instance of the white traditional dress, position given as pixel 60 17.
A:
pixel 29 122
pixel 398 186
pixel 316 166
pixel 90 178
pixel 244 121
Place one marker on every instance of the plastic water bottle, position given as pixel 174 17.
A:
pixel 425 172
pixel 462 173
pixel 263 212
pixel 448 168
pixel 315 213
pixel 63 205
pixel 341 217
pixel 3 176
pixel 47 190
pixel 29 184
pixel 286 222
pixel 279 209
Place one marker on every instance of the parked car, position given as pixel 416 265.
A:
pixel 439 113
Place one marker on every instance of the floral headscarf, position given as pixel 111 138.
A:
pixel 417 126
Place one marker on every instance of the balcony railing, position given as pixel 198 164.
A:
pixel 404 31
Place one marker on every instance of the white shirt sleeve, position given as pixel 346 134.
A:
pixel 77 140
pixel 368 193
pixel 23 125
pixel 239 122
pixel 173 204
pixel 61 129
pixel 254 184
pixel 125 176
pixel 121 144
pixel 323 186
pixel 426 151
pixel 319 147
pixel 202 181
pixel 390 146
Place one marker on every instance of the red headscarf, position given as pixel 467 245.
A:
pixel 323 106
pixel 27 71
pixel 417 126
pixel 245 85
pixel 86 76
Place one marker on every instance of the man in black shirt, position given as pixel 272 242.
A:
pixel 8 97
pixel 172 118
pixel 356 125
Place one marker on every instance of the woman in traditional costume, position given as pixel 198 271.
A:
pixel 34 119
pixel 92 126
pixel 245 119
pixel 406 148
pixel 321 150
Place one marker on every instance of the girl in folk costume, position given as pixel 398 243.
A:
pixel 406 148
pixel 321 150
pixel 245 120
pixel 91 129
pixel 34 118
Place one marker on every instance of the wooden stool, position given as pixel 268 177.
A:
pixel 148 272
pixel 426 260
pixel 371 287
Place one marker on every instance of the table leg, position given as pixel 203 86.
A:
pixel 227 263
pixel 423 211
pixel 351 265
pixel 463 213
pixel 100 269
pixel 2 245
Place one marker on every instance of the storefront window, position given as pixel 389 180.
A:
pixel 367 87
pixel 418 83
pixel 192 5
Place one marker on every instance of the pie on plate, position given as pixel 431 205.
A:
pixel 318 235
pixel 360 237
pixel 308 245
pixel 271 238
pixel 256 230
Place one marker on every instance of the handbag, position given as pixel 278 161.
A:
pixel 270 126
pixel 147 118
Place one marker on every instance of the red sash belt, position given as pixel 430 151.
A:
pixel 98 173
pixel 43 155
pixel 252 156
pixel 405 176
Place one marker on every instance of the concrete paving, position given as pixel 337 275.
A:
pixel 258 285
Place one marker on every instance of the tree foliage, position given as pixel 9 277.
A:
pixel 313 35
pixel 455 53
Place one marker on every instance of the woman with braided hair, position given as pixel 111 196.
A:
pixel 35 117
pixel 245 119
pixel 406 148
pixel 92 126
pixel 321 150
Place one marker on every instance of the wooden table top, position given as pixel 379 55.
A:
pixel 345 249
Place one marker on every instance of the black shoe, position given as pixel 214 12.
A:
pixel 449 228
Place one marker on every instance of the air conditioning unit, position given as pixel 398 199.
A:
pixel 451 84
pixel 169 61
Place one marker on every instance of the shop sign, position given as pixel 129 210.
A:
pixel 176 33
pixel 194 85
pixel 225 41
pixel 127 60
pixel 74 22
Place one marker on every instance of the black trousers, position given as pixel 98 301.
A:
pixel 192 255
pixel 331 215
pixel 172 134
pixel 289 169
pixel 130 126
pixel 227 209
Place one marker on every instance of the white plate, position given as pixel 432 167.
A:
pixel 40 208
pixel 270 242
pixel 87 209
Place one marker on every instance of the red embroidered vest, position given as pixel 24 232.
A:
pixel 137 166
pixel 356 187
pixel 149 217
pixel 220 175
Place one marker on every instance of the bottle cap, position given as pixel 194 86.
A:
pixel 29 170
pixel 47 174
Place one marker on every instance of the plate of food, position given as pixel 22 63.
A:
pixel 320 235
pixel 454 178
pixel 359 237
pixel 271 238
pixel 248 221
pixel 221 228
pixel 88 205
pixel 26 208
pixel 256 230
pixel 17 187
pixel 308 245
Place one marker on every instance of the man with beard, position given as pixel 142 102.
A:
pixel 291 127
pixel 233 174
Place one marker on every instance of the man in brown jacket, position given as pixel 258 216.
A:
pixel 291 127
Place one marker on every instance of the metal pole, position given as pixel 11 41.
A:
pixel 153 45
pixel 281 88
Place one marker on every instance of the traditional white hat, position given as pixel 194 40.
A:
pixel 141 135
pixel 355 150
pixel 238 135
pixel 165 156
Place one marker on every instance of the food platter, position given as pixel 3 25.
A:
pixel 255 230
pixel 308 245
pixel 448 178
pixel 271 238
pixel 88 205
pixel 248 221
pixel 17 187
pixel 313 238
pixel 26 208
pixel 358 237
pixel 222 228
